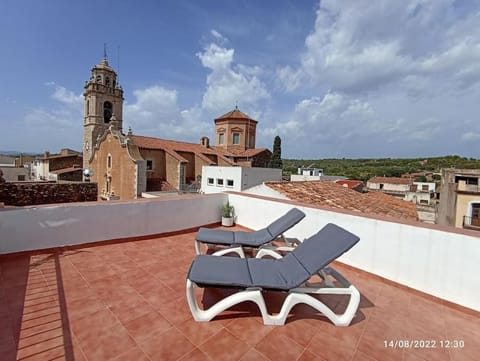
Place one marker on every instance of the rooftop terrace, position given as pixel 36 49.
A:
pixel 125 299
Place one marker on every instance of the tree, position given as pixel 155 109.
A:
pixel 277 153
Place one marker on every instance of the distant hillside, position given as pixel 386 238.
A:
pixel 364 169
pixel 17 153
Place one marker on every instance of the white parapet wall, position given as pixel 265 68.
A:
pixel 34 228
pixel 433 259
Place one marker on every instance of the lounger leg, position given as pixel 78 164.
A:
pixel 199 315
pixel 234 249
pixel 300 295
pixel 197 247
pixel 263 252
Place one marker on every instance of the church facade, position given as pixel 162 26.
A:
pixel 125 165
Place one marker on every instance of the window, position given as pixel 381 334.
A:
pixel 220 182
pixel 107 111
pixel 99 78
pixel 109 161
pixel 107 81
pixel 381 186
pixel 229 182
pixel 236 138
pixel 149 164
pixel 210 181
pixel 221 137
pixel 475 214
pixel 21 177
pixel 476 210
pixel 424 187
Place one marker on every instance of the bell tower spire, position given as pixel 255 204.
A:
pixel 103 99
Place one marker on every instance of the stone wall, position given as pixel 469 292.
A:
pixel 27 194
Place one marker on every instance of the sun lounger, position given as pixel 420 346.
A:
pixel 235 241
pixel 290 273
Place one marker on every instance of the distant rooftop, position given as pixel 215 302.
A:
pixel 390 180
pixel 330 194
pixel 235 114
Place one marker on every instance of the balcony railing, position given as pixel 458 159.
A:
pixel 471 222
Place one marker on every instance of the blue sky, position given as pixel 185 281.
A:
pixel 353 78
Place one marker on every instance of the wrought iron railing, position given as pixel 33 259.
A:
pixel 471 222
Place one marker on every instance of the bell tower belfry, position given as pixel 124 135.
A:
pixel 103 106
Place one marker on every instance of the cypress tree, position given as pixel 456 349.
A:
pixel 277 153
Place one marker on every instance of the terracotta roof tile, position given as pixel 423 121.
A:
pixel 241 153
pixel 235 114
pixel 390 180
pixel 172 147
pixel 333 195
pixel 67 170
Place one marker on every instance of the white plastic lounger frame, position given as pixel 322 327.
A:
pixel 295 296
pixel 230 249
pixel 267 249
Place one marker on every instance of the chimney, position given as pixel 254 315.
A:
pixel 204 141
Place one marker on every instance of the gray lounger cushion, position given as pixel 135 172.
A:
pixel 286 273
pixel 251 239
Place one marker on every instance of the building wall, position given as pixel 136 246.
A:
pixel 190 166
pixel 439 261
pixel 43 227
pixel 242 177
pixel 122 172
pixel 65 162
pixel 40 169
pixel 462 208
pixel 418 197
pixel 157 156
pixel 14 174
pixel 388 187
pixel 199 164
pixel 224 173
pixel 452 206
pixel 172 167
pixel 303 178
pixel 262 160
pixel 431 186
pixel 27 194
pixel 230 126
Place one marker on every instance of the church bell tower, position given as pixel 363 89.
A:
pixel 103 106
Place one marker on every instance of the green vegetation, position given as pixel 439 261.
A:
pixel 277 153
pixel 364 169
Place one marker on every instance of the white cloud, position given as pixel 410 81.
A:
pixel 51 119
pixel 471 136
pixel 156 113
pixel 67 114
pixel 228 83
pixel 63 121
pixel 66 96
pixel 218 37
pixel 215 57
pixel 360 46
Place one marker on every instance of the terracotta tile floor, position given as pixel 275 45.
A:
pixel 126 301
